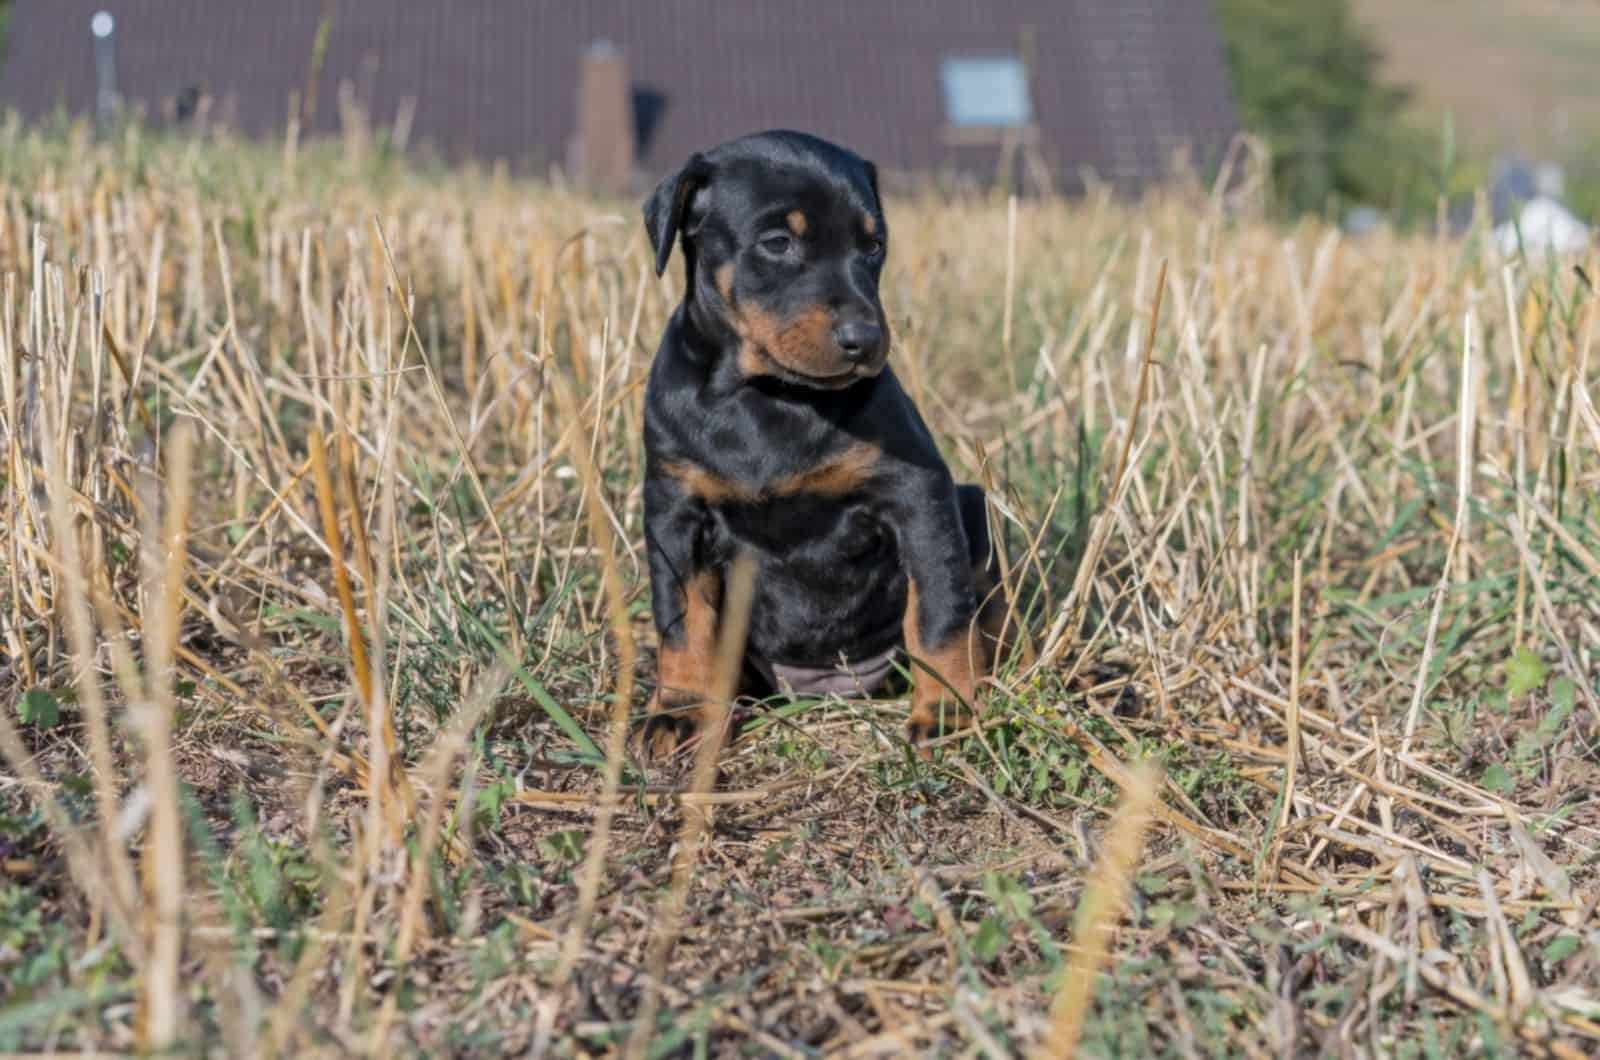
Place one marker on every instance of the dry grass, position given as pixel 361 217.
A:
pixel 340 685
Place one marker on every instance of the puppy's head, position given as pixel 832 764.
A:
pixel 783 241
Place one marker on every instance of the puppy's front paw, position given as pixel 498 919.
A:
pixel 672 727
pixel 933 715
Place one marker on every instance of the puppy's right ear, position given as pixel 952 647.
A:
pixel 872 179
pixel 667 206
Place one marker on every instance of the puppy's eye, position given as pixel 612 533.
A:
pixel 875 248
pixel 777 243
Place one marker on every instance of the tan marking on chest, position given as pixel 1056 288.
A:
pixel 706 485
pixel 838 476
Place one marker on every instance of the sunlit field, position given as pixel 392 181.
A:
pixel 326 622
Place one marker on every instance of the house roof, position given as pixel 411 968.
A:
pixel 1117 85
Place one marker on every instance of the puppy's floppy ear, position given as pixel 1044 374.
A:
pixel 666 207
pixel 872 178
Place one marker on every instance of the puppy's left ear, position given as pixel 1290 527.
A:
pixel 665 209
pixel 872 178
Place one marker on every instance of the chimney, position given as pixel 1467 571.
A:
pixel 602 151
pixel 103 28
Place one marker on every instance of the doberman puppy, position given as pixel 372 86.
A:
pixel 773 424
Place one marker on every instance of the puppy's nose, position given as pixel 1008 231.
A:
pixel 859 339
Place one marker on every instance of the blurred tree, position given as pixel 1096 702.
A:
pixel 1583 178
pixel 1305 77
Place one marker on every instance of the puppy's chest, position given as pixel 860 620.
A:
pixel 823 509
pixel 802 530
pixel 731 480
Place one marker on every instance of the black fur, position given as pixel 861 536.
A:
pixel 833 566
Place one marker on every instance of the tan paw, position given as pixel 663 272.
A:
pixel 671 728
pixel 932 719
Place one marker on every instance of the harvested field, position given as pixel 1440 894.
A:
pixel 324 605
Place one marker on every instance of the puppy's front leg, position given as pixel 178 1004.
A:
pixel 686 597
pixel 942 637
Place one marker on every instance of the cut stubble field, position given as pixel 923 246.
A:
pixel 325 618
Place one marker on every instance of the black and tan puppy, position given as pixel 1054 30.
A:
pixel 773 424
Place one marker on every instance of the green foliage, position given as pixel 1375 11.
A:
pixel 38 941
pixel 1583 178
pixel 1497 778
pixel 1561 947
pixel 1305 78
pixel 36 959
pixel 39 708
pixel 1525 671
pixel 563 848
pixel 273 882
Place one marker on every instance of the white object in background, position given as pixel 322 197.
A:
pixel 1546 227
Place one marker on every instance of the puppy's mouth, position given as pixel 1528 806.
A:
pixel 830 381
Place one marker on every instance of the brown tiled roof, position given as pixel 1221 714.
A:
pixel 1117 84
